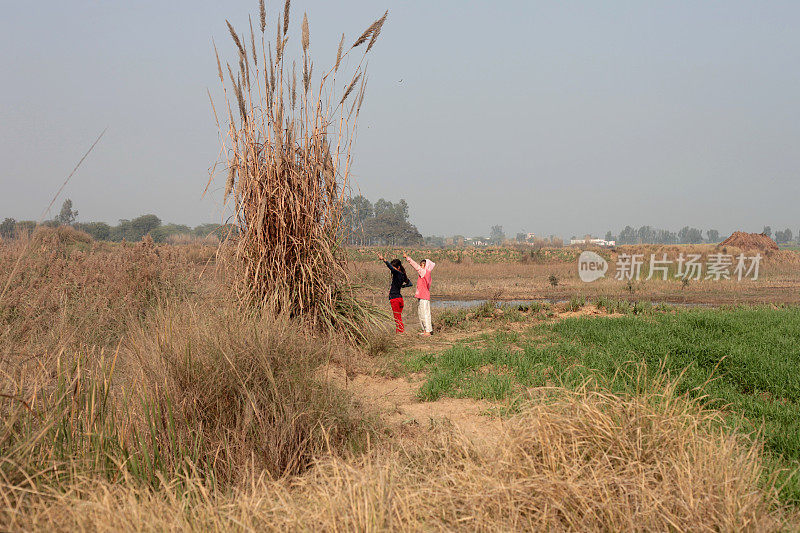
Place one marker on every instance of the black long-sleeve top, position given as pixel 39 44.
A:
pixel 399 281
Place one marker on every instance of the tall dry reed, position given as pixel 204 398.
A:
pixel 287 145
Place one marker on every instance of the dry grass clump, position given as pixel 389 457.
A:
pixel 199 390
pixel 584 462
pixel 59 236
pixel 241 389
pixel 288 155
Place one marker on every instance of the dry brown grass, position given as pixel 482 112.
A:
pixel 70 291
pixel 134 360
pixel 288 161
pixel 583 461
pixel 189 412
pixel 779 280
pixel 246 382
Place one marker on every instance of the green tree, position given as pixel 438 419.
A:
pixel 401 210
pixel 25 227
pixel 204 230
pixel 121 231
pixel 689 235
pixel 357 211
pixel 784 236
pixel 100 231
pixel 713 235
pixel 67 216
pixel 141 226
pixel 496 235
pixel 162 233
pixel 384 207
pixel 627 236
pixel 767 231
pixel 8 228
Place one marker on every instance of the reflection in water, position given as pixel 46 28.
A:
pixel 464 304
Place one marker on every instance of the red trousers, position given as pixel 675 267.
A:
pixel 397 310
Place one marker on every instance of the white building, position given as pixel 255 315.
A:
pixel 592 242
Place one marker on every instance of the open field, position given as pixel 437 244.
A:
pixel 519 274
pixel 135 395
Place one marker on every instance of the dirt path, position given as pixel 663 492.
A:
pixel 395 399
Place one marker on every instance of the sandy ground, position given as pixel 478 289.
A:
pixel 394 401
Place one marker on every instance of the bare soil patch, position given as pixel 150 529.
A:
pixel 750 241
pixel 395 401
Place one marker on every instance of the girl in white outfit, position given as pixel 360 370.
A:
pixel 423 293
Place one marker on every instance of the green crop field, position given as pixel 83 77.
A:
pixel 742 361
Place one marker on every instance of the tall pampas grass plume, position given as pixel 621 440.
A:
pixel 289 157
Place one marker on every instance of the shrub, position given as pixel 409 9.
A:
pixel 486 309
pixel 576 303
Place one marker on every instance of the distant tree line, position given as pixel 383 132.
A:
pixel 686 235
pixel 781 237
pixel 651 235
pixel 381 223
pixel 129 230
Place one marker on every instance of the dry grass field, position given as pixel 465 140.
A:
pixel 135 394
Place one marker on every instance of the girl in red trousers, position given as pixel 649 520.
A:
pixel 399 281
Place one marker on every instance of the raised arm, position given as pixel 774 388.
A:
pixel 415 265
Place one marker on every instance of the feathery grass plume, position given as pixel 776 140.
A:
pixel 307 69
pixel 350 88
pixel 364 36
pixel 237 91
pixel 339 54
pixel 377 30
pixel 375 26
pixel 352 108
pixel 294 85
pixel 292 157
pixel 278 45
pixel 253 42
pixel 271 80
pixel 262 11
pixel 229 182
pixel 361 93
pixel 306 35
pixel 235 38
pixel 244 69
pixel 219 65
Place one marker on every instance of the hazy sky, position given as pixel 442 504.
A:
pixel 551 117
